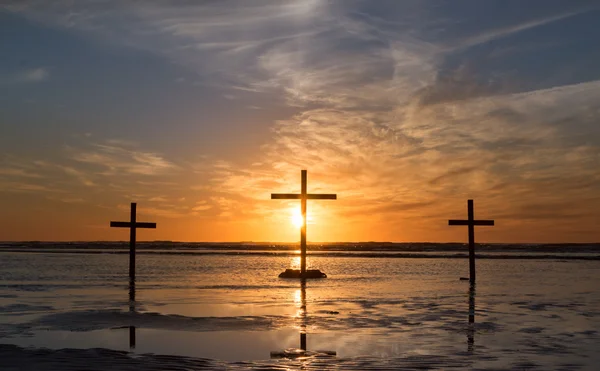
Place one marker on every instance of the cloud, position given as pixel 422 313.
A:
pixel 35 75
pixel 97 172
pixel 201 206
pixel 12 186
pixel 499 33
pixel 116 157
pixel 17 172
pixel 81 176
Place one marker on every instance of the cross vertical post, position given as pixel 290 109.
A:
pixel 303 228
pixel 303 196
pixel 471 240
pixel 471 223
pixel 132 219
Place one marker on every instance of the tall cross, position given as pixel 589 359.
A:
pixel 471 223
pixel 132 224
pixel 303 196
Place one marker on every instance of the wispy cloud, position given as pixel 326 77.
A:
pixel 499 33
pixel 115 158
pixel 35 75
pixel 32 75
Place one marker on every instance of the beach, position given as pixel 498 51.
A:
pixel 67 309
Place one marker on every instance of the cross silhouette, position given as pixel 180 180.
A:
pixel 132 224
pixel 303 196
pixel 471 223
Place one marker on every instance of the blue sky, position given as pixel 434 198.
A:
pixel 199 109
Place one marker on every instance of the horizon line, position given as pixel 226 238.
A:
pixel 294 242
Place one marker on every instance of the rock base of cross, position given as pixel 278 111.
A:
pixel 295 273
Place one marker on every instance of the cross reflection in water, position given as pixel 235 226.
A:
pixel 132 311
pixel 471 327
pixel 303 315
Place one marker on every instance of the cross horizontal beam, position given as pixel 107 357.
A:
pixel 136 225
pixel 469 222
pixel 298 196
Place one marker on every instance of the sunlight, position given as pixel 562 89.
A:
pixel 298 297
pixel 300 306
pixel 296 217
pixel 295 261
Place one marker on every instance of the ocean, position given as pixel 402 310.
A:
pixel 65 306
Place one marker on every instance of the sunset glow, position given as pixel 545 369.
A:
pixel 401 123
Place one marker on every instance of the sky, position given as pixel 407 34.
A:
pixel 199 110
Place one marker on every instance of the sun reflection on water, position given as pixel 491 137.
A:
pixel 295 261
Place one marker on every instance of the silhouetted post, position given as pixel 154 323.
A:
pixel 132 224
pixel 303 196
pixel 471 223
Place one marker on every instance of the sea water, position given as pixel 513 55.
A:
pixel 67 307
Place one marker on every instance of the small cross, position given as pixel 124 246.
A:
pixel 303 196
pixel 471 223
pixel 132 224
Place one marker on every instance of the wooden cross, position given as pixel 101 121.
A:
pixel 471 223
pixel 303 196
pixel 132 224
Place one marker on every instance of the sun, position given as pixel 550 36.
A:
pixel 296 217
